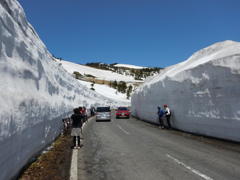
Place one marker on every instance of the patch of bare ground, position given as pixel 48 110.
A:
pixel 54 164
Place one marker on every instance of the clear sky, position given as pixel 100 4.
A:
pixel 140 32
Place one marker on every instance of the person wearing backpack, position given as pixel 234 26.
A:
pixel 167 114
pixel 160 116
pixel 77 121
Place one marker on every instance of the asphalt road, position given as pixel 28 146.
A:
pixel 129 149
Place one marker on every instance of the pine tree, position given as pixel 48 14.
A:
pixel 122 86
pixel 114 84
pixel 129 91
pixel 77 75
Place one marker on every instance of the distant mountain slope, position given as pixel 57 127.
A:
pixel 129 66
pixel 98 73
pixel 105 90
pixel 117 81
pixel 105 82
pixel 111 72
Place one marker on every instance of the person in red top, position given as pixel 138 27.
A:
pixel 80 110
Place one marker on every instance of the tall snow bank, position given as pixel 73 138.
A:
pixel 36 92
pixel 203 93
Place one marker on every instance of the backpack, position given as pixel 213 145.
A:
pixel 161 113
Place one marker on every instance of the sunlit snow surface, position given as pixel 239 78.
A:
pixel 203 92
pixel 98 73
pixel 129 66
pixel 36 92
pixel 105 90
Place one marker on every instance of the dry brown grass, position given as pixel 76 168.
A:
pixel 54 164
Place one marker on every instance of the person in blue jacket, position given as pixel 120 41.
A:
pixel 160 116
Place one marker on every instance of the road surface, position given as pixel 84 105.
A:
pixel 129 149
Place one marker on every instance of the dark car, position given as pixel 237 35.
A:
pixel 103 113
pixel 122 112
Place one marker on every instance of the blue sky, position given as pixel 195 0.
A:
pixel 140 32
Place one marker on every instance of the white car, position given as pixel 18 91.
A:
pixel 103 113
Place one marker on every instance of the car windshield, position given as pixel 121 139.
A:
pixel 103 109
pixel 122 109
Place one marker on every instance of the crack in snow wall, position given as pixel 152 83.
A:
pixel 36 92
pixel 204 99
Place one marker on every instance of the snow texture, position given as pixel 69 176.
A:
pixel 203 93
pixel 36 92
pixel 98 73
pixel 129 66
pixel 110 92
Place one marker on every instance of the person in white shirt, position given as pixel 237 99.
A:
pixel 167 115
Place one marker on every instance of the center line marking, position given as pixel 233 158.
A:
pixel 123 129
pixel 190 168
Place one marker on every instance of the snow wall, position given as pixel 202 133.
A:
pixel 203 93
pixel 36 92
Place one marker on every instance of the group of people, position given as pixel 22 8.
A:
pixel 165 112
pixel 79 116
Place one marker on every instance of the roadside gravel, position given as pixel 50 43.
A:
pixel 54 164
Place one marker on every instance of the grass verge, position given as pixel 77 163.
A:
pixel 54 164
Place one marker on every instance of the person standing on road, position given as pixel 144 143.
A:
pixel 92 111
pixel 160 115
pixel 77 119
pixel 167 115
pixel 84 113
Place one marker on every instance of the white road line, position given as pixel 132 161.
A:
pixel 123 130
pixel 190 168
pixel 74 165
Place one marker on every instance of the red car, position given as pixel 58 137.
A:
pixel 122 112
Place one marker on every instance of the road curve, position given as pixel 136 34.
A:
pixel 129 149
